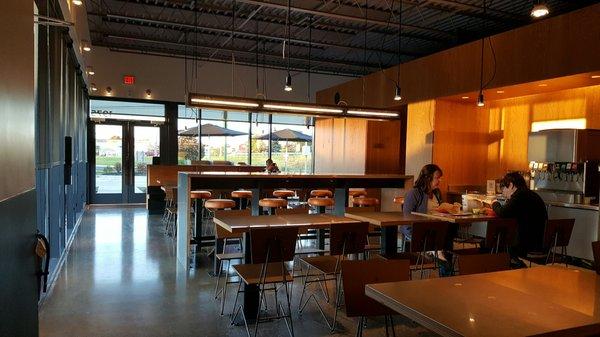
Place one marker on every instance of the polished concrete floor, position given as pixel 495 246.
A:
pixel 121 278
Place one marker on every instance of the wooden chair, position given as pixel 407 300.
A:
pixel 171 225
pixel 270 249
pixel 483 263
pixel 344 239
pixel 556 234
pixel 374 231
pixel 224 259
pixel 596 251
pixel 357 274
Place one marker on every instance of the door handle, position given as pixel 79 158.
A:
pixel 42 252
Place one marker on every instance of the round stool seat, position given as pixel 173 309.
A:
pixel 320 202
pixel 321 193
pixel 283 193
pixel 366 202
pixel 398 200
pixel 242 194
pixel 200 194
pixel 219 203
pixel 273 203
pixel 357 192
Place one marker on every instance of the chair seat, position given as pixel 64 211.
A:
pixel 309 250
pixel 200 194
pixel 365 201
pixel 325 264
pixel 229 256
pixel 219 203
pixel 320 202
pixel 321 193
pixel 283 193
pixel 536 255
pixel 250 273
pixel 242 194
pixel 272 202
pixel 373 246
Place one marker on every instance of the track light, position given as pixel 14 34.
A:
pixel 108 91
pixel 77 2
pixel 93 87
pixel 85 45
pixel 90 71
pixel 397 95
pixel 148 93
pixel 539 10
pixel 288 82
pixel 480 101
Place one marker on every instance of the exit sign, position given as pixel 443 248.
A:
pixel 129 80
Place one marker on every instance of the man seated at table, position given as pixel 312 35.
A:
pixel 528 208
pixel 271 167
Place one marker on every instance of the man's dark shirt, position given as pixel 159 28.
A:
pixel 529 210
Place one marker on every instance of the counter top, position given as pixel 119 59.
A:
pixel 264 175
pixel 572 205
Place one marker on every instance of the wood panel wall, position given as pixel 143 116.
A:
pixel 385 147
pixel 340 145
pixel 559 46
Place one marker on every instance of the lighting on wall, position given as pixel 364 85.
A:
pixel 90 71
pixel 93 87
pixel 480 101
pixel 499 91
pixel 108 91
pixel 397 95
pixel 576 123
pixel 595 76
pixel 77 2
pixel 542 85
pixel 300 108
pixel 288 82
pixel 148 93
pixel 539 10
pixel 85 46
pixel 465 97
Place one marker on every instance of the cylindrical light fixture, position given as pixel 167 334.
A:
pixel 90 71
pixel 77 2
pixel 85 45
pixel 539 10
pixel 108 91
pixel 398 94
pixel 288 82
pixel 480 101
pixel 148 93
pixel 93 87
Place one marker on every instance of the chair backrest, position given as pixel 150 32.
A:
pixel 483 263
pixel 348 238
pixel 559 229
pixel 596 251
pixel 275 244
pixel 359 209
pixel 429 235
pixel 299 210
pixel 357 274
pixel 500 233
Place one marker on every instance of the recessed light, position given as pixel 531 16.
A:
pixel 595 76
pixel 542 85
pixel 499 91
pixel 465 97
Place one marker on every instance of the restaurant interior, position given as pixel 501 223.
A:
pixel 300 168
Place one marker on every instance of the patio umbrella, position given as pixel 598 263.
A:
pixel 210 130
pixel 287 135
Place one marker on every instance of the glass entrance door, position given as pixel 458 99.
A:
pixel 122 151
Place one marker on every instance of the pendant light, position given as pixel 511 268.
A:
pixel 539 10
pixel 398 92
pixel 288 78
pixel 480 101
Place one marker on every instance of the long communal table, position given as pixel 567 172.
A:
pixel 520 302
pixel 256 182
pixel 243 224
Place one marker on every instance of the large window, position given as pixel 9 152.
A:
pixel 240 137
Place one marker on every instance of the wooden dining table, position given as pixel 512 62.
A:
pixel 236 223
pixel 521 302
pixel 388 222
pixel 465 218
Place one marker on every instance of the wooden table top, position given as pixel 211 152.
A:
pixel 386 219
pixel 460 219
pixel 265 175
pixel 518 302
pixel 240 224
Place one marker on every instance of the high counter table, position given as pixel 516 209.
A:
pixel 188 181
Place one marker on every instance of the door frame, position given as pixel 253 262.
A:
pixel 127 194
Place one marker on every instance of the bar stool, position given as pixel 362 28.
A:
pixel 283 194
pixel 321 193
pixel 355 193
pixel 213 205
pixel 171 225
pixel 365 202
pixel 321 203
pixel 272 204
pixel 199 197
pixel 242 197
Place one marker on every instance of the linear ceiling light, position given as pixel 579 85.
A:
pixel 372 113
pixel 224 102
pixel 300 108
